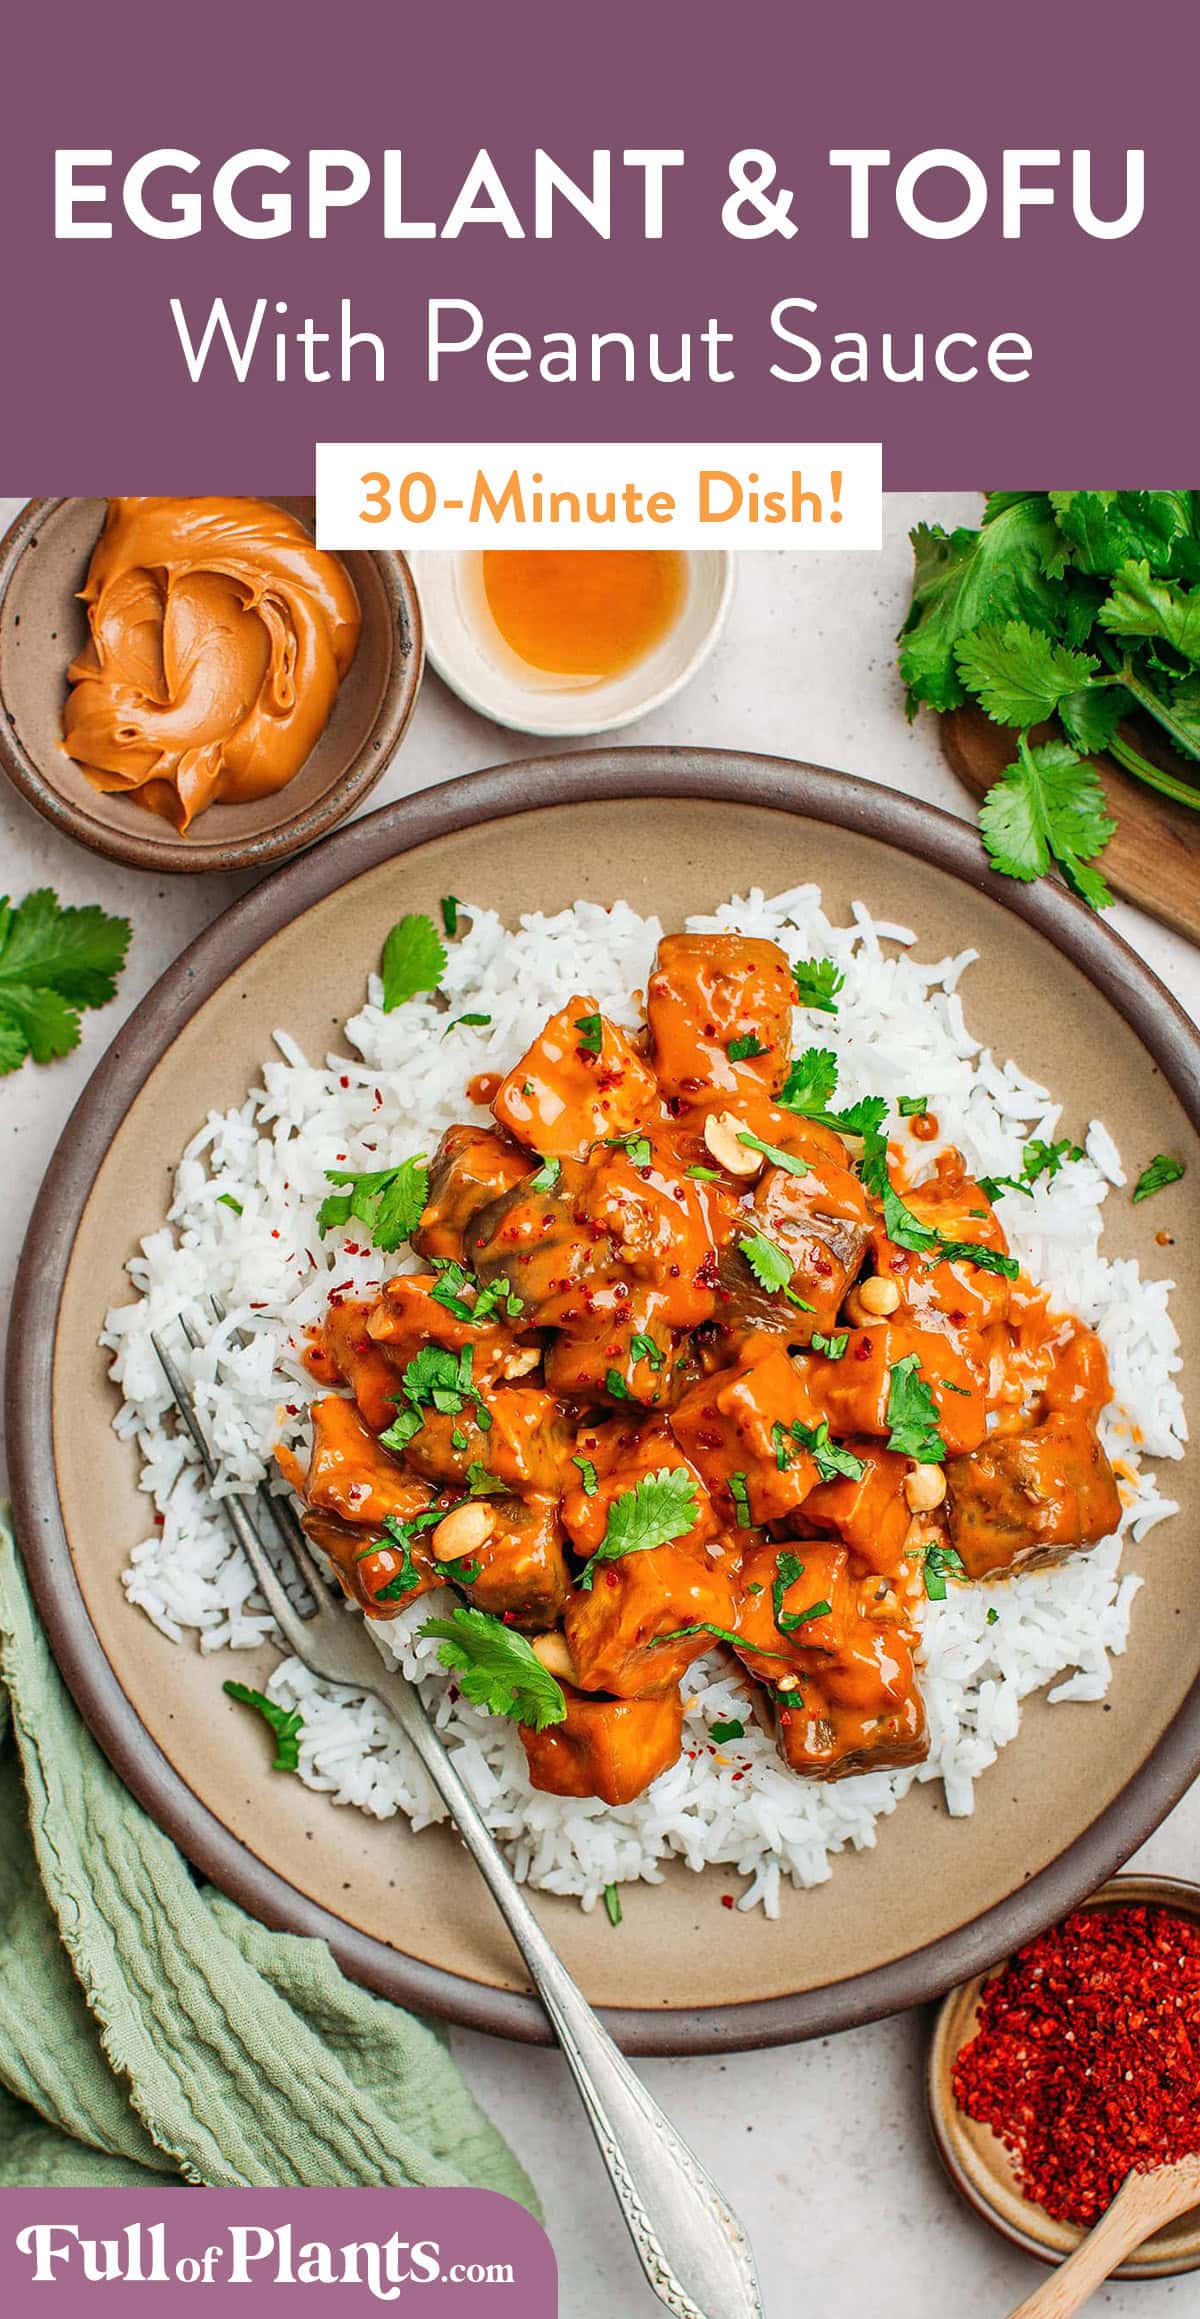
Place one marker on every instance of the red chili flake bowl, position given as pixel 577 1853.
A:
pixel 974 2157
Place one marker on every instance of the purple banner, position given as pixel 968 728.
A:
pixel 310 2251
pixel 966 233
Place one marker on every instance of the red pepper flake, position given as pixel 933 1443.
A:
pixel 1086 2059
pixel 344 1081
pixel 727 1900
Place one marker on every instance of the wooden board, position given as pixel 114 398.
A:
pixel 1153 857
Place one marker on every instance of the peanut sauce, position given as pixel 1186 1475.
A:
pixel 219 636
pixel 652 1316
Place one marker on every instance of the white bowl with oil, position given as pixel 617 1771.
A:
pixel 472 654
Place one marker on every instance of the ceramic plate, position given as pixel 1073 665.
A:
pixel 671 830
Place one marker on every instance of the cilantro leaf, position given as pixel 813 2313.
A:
pixel 913 1106
pixel 405 1424
pixel 401 1535
pixel 704 1175
pixel 744 1049
pixel 771 1268
pixel 787 1160
pixel 547 1176
pixel 286 1722
pixel 644 1348
pixel 818 982
pixel 788 1568
pixel 497 1669
pixel 732 1728
pixel 833 1347
pixel 1007 570
pixel 1161 1171
pixel 414 959
pixel 387 1201
pixel 831 1458
pixel 1018 674
pixel 1140 605
pixel 899 1222
pixel 865 1117
pixel 659 1507
pixel 591 1033
pixel 587 1475
pixel 468 1022
pixel 1107 529
pixel 983 1259
pixel 484 1484
pixel 939 1559
pixel 53 964
pixel 1048 806
pixel 1045 1159
pixel 810 1082
pixel 912 1414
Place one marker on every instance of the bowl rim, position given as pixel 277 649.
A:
pixel 169 853
pixel 813 793
pixel 550 728
pixel 1136 1888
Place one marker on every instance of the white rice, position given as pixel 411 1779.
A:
pixel 900 1028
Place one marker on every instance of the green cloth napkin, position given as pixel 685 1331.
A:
pixel 150 2030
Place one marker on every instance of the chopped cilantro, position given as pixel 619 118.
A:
pixel 739 1491
pixel 450 909
pixel 587 1475
pixel 788 1568
pixel 903 1228
pixel 496 1668
pixel 983 1259
pixel 387 1202
pixel 810 1082
pixel 818 982
pixel 832 1347
pixel 788 1160
pixel 615 1384
pixel 644 1348
pixel 912 1414
pixel 414 959
pixel 993 1615
pixel 547 1176
pixel 743 1050
pixel 939 1560
pixel 659 1507
pixel 732 1728
pixel 483 1484
pixel 1161 1172
pixel 286 1722
pixel 226 1200
pixel 591 1033
pixel 913 1106
pixel 470 1022
pixel 705 1175
pixel 612 1905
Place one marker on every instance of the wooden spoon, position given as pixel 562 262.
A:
pixel 1153 856
pixel 1144 2203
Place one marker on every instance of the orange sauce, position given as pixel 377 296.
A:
pixel 583 612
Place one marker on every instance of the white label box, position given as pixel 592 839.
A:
pixel 820 496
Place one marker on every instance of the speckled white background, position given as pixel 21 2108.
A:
pixel 821 2148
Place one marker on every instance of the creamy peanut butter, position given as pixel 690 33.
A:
pixel 219 638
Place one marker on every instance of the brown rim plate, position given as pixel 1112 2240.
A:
pixel 671 830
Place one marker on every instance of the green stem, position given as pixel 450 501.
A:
pixel 1184 792
pixel 1155 707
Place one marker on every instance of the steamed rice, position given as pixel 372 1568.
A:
pixel 900 1027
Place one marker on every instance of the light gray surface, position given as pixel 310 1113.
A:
pixel 821 2149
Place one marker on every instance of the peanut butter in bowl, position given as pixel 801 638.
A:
pixel 219 636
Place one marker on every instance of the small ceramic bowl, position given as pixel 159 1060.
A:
pixel 980 2167
pixel 471 656
pixel 44 558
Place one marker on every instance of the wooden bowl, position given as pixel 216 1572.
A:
pixel 44 558
pixel 978 2164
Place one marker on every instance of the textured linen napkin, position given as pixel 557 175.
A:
pixel 149 2029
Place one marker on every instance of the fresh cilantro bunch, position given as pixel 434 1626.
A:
pixel 53 964
pixel 1079 609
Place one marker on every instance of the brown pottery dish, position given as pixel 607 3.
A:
pixel 44 558
pixel 673 831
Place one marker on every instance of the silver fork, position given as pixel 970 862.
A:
pixel 691 2246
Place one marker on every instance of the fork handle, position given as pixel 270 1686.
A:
pixel 691 2246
